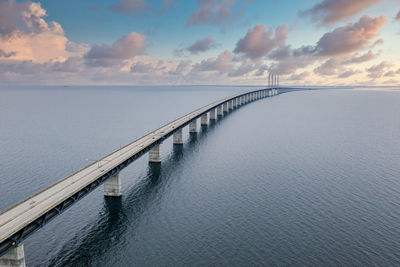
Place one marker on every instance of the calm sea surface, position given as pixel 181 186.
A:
pixel 303 178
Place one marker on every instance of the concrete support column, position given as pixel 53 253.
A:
pixel 230 105
pixel 14 257
pixel 154 154
pixel 204 120
pixel 226 107
pixel 178 137
pixel 219 110
pixel 212 114
pixel 240 101
pixel 235 103
pixel 112 186
pixel 193 126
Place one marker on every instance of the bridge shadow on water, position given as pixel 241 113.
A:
pixel 118 214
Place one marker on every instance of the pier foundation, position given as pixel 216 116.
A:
pixel 154 154
pixel 112 187
pixel 219 111
pixel 14 257
pixel 230 105
pixel 204 120
pixel 212 114
pixel 193 126
pixel 178 137
pixel 226 107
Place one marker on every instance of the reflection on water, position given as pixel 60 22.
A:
pixel 306 178
pixel 117 213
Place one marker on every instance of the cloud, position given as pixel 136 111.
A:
pixel 129 6
pixel 243 69
pixel 398 16
pixel 328 12
pixel 4 54
pixel 350 38
pixel 182 68
pixel 392 73
pixel 348 73
pixel 336 44
pixel 142 67
pixel 258 43
pixel 363 58
pixel 26 17
pixel 288 60
pixel 127 47
pixel 26 36
pixel 211 12
pixel 329 67
pixel 377 71
pixel 222 63
pixel 301 76
pixel 71 65
pixel 202 45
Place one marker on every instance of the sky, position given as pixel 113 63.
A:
pixel 187 42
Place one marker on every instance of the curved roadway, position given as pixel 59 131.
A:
pixel 17 222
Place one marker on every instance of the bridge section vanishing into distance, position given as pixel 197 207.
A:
pixel 24 218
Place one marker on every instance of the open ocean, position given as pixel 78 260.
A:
pixel 304 178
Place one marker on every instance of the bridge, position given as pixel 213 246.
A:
pixel 21 220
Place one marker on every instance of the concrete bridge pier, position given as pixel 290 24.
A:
pixel 204 120
pixel 193 126
pixel 112 187
pixel 230 105
pixel 219 111
pixel 178 137
pixel 212 115
pixel 14 257
pixel 226 107
pixel 154 154
pixel 234 103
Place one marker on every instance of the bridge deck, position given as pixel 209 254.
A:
pixel 22 214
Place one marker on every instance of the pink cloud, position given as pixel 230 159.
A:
pixel 202 45
pixel 222 63
pixel 362 58
pixel 329 67
pixel 392 73
pixel 211 12
pixel 127 47
pixel 348 73
pixel 129 6
pixel 331 11
pixel 350 38
pixel 25 34
pixel 300 76
pixel 142 67
pixel 4 54
pixel 258 42
pixel 377 71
